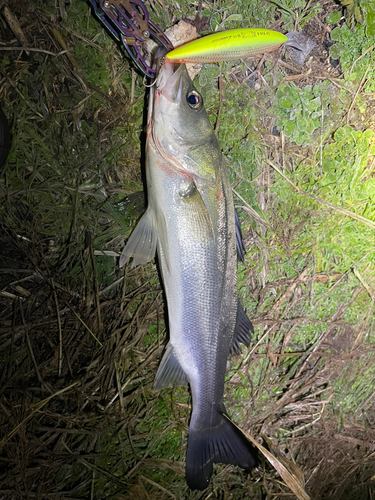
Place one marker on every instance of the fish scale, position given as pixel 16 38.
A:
pixel 190 221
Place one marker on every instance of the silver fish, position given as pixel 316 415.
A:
pixel 190 220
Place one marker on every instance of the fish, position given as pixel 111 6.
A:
pixel 190 222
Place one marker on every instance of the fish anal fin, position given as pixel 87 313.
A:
pixel 169 372
pixel 242 331
pixel 225 443
pixel 142 242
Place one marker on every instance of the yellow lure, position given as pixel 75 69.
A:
pixel 227 45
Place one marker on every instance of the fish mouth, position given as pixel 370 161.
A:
pixel 164 70
pixel 162 84
pixel 169 81
pixel 168 88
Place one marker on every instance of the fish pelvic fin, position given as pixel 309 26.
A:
pixel 169 372
pixel 142 242
pixel 225 443
pixel 242 331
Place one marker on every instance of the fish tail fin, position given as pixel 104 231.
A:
pixel 225 443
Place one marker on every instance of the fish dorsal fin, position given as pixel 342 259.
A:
pixel 241 250
pixel 169 372
pixel 242 331
pixel 142 242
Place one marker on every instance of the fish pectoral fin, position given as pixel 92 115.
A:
pixel 196 213
pixel 242 331
pixel 169 372
pixel 241 250
pixel 225 443
pixel 142 242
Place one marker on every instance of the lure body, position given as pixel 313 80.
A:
pixel 227 45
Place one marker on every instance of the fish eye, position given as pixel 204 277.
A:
pixel 194 99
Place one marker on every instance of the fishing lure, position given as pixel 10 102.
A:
pixel 227 45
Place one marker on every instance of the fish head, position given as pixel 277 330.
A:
pixel 179 127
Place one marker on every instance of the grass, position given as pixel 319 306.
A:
pixel 80 339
